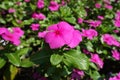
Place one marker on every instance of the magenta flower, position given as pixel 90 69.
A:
pixel 95 23
pixel 40 4
pixel 62 3
pixel 80 20
pixel 107 1
pixel 98 5
pixel 8 36
pixel 117 19
pixel 54 6
pixel 117 77
pixel 2 30
pixel 77 74
pixel 14 36
pixel 27 0
pixel 108 6
pixel 35 27
pixel 117 23
pixel 42 34
pixel 11 10
pixel 86 51
pixel 100 17
pixel 18 31
pixel 60 34
pixel 77 38
pixel 90 33
pixel 116 31
pixel 116 54
pixel 97 60
pixel 117 15
pixel 110 40
pixel 39 16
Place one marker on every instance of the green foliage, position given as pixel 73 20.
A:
pixel 76 59
pixel 55 59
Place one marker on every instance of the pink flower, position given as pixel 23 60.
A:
pixel 11 10
pixel 27 0
pixel 116 31
pixel 107 1
pixel 116 54
pixel 90 33
pixel 98 5
pixel 35 27
pixel 42 34
pixel 117 15
pixel 54 6
pixel 39 16
pixel 8 36
pixel 14 36
pixel 95 23
pixel 61 34
pixel 40 4
pixel 62 3
pixel 100 17
pixel 18 31
pixel 77 38
pixel 86 51
pixel 80 20
pixel 97 60
pixel 108 6
pixel 110 40
pixel 77 74
pixel 117 77
pixel 117 19
pixel 117 23
pixel 2 30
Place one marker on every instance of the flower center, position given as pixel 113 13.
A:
pixel 57 32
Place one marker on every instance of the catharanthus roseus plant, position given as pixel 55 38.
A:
pixel 60 40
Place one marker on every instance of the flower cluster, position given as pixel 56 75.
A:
pixel 61 39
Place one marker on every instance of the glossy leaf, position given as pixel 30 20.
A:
pixel 75 59
pixel 14 59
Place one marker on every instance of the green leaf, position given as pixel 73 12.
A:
pixel 95 75
pixel 28 22
pixel 70 20
pixel 89 46
pixel 14 59
pixel 2 62
pixel 93 66
pixel 10 72
pixel 2 21
pixel 55 59
pixel 40 57
pixel 74 58
pixel 65 11
pixel 22 51
pixel 26 63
